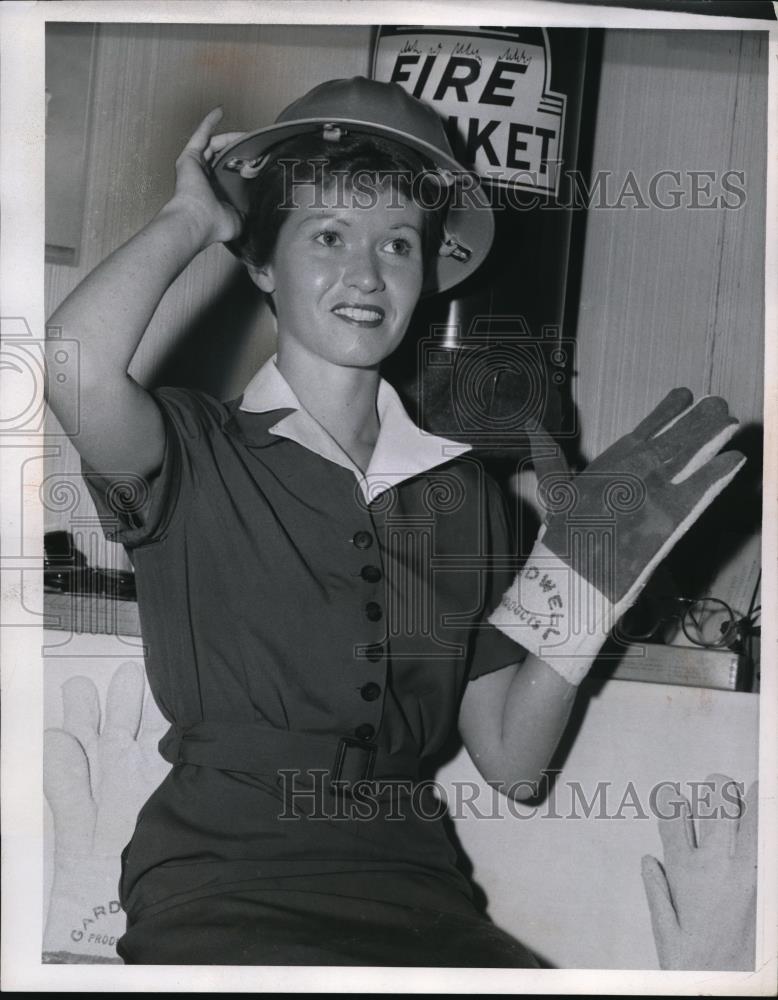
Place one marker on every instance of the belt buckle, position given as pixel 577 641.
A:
pixel 337 782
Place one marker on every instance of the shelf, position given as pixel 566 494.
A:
pixel 90 613
pixel 690 666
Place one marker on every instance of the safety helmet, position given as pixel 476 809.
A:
pixel 359 105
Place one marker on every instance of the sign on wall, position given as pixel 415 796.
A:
pixel 491 86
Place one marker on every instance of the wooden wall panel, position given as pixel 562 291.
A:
pixel 674 297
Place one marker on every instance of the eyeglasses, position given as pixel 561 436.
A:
pixel 708 621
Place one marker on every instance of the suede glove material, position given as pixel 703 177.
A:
pixel 608 527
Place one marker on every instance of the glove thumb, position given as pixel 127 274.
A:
pixel 664 921
pixel 547 457
pixel 551 469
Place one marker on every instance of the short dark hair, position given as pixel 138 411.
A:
pixel 310 159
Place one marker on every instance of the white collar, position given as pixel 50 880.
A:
pixel 401 451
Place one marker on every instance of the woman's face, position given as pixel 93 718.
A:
pixel 346 276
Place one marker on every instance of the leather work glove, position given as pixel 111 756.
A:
pixel 702 897
pixel 607 528
pixel 95 781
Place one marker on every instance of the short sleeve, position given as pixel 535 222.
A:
pixel 136 511
pixel 491 649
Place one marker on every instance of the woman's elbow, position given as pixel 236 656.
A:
pixel 517 784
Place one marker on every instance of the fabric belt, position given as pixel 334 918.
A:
pixel 255 748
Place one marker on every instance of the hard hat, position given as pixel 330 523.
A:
pixel 362 106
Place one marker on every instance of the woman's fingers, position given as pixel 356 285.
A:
pixel 202 141
pixel 699 434
pixel 219 142
pixel 675 403
pixel 218 221
pixel 698 491
pixel 202 134
pixel 547 457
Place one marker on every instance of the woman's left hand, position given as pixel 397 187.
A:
pixel 608 527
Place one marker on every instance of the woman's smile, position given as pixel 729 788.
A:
pixel 360 315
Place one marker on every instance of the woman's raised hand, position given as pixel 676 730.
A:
pixel 194 194
pixel 120 430
pixel 608 527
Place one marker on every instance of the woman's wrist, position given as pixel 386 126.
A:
pixel 192 230
pixel 557 615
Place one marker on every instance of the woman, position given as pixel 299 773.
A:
pixel 315 576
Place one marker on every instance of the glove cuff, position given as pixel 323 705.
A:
pixel 556 614
pixel 84 916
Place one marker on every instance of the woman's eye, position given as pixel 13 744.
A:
pixel 327 238
pixel 399 246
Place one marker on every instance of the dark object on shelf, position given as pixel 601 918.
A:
pixel 708 623
pixel 705 621
pixel 687 666
pixel 66 571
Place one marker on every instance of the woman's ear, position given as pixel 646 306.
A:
pixel 262 277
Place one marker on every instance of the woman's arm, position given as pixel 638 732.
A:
pixel 511 721
pixel 120 428
pixel 606 530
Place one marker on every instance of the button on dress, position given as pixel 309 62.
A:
pixel 287 598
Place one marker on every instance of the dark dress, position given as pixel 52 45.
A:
pixel 283 610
